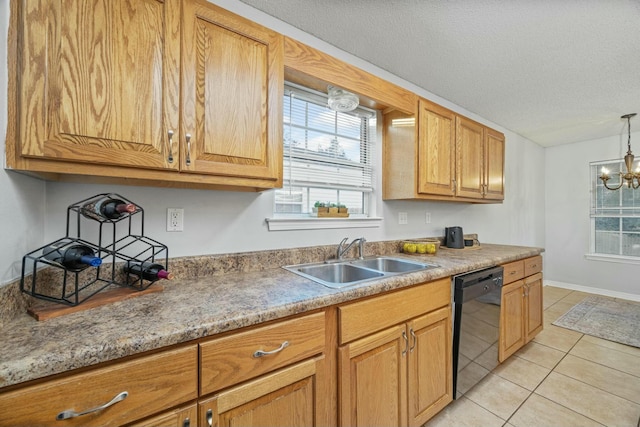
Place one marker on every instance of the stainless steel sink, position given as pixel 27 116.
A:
pixel 341 274
pixel 391 265
pixel 351 272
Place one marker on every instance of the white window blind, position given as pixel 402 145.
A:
pixel 327 154
pixel 615 215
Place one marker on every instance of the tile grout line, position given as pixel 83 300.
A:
pixel 545 377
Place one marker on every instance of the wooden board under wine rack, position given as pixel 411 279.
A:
pixel 48 310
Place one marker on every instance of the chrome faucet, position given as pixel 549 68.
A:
pixel 342 250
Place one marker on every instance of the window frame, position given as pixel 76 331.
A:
pixel 594 184
pixel 296 221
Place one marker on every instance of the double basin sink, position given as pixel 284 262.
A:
pixel 347 273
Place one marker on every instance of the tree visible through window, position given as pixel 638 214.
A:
pixel 327 155
pixel 615 215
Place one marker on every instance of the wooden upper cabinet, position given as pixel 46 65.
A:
pixel 494 165
pixel 440 155
pixel 165 93
pixel 99 81
pixel 470 158
pixel 232 87
pixel 436 149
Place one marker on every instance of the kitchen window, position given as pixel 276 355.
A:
pixel 327 157
pixel 615 215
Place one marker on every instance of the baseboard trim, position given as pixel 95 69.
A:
pixel 592 290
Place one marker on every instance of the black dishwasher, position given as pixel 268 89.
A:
pixel 476 323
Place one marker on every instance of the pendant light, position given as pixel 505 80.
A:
pixel 631 178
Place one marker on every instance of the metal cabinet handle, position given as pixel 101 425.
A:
pixel 70 413
pixel 186 422
pixel 170 158
pixel 188 138
pixel 260 353
pixel 415 340
pixel 406 342
pixel 210 417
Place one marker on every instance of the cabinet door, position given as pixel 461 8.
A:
pixel 512 311
pixel 99 81
pixel 232 88
pixel 533 290
pixel 436 149
pixel 430 368
pixel 181 417
pixel 469 158
pixel 372 375
pixel 494 165
pixel 284 398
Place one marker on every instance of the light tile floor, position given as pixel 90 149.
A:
pixel 561 378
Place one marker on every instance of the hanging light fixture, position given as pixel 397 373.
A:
pixel 631 178
pixel 341 100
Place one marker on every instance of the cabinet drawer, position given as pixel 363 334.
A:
pixel 532 265
pixel 230 360
pixel 513 271
pixel 154 383
pixel 365 317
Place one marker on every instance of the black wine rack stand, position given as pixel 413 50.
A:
pixel 119 243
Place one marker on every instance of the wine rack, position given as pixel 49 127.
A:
pixel 118 243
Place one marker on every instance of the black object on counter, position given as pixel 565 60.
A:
pixel 454 237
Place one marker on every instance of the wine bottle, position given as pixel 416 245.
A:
pixel 148 270
pixel 107 207
pixel 73 257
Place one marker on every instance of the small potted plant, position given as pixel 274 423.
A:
pixel 342 209
pixel 333 209
pixel 320 208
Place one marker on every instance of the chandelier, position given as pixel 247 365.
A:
pixel 632 179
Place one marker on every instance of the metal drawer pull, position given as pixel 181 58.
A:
pixel 260 353
pixel 406 342
pixel 170 158
pixel 188 138
pixel 210 417
pixel 70 413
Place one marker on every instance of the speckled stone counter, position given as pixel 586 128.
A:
pixel 211 295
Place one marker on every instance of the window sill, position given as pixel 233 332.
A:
pixel 613 258
pixel 283 224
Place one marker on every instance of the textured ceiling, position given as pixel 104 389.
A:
pixel 553 71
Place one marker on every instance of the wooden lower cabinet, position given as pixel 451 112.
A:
pixel 512 318
pixel 373 372
pixel 533 306
pixel 288 397
pixel 521 309
pixel 186 416
pixel 430 372
pixel 401 375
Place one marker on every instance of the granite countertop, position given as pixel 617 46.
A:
pixel 197 307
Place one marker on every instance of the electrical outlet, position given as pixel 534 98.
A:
pixel 427 218
pixel 175 219
pixel 402 218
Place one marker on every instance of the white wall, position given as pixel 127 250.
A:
pixel 219 222
pixel 567 217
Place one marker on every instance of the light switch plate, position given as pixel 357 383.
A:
pixel 402 218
